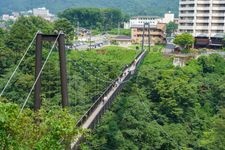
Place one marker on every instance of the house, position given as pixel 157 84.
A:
pixel 201 41
pixel 122 40
pixel 217 41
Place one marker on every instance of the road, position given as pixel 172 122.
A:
pixel 169 48
pixel 97 42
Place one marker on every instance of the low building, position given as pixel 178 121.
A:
pixel 201 41
pixel 7 17
pixel 217 41
pixel 122 40
pixel 157 34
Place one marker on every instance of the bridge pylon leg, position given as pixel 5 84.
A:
pixel 63 71
pixel 38 65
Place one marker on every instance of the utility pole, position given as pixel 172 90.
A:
pixel 78 26
pixel 143 36
pixel 118 29
pixel 90 37
pixel 149 37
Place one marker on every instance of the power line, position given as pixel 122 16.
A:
pixel 21 60
pixel 103 75
pixel 92 74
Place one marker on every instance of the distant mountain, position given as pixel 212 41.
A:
pixel 132 7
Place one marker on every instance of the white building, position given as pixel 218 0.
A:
pixel 6 17
pixel 140 20
pixel 126 25
pixel 44 13
pixel 168 17
pixel 153 20
pixel 200 17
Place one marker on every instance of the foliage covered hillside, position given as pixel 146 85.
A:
pixel 134 7
pixel 167 108
pixel 89 72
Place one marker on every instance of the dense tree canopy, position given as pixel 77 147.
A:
pixel 65 26
pixel 167 108
pixel 96 18
pixel 23 31
pixel 47 129
pixel 171 27
pixel 132 7
pixel 185 40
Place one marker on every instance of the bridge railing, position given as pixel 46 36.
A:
pixel 95 104
pixel 108 89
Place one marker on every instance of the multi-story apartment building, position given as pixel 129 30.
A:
pixel 157 33
pixel 202 17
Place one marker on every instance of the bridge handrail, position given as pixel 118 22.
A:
pixel 92 107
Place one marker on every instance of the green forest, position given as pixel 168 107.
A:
pixel 132 7
pixel 161 107
pixel 52 127
pixel 94 18
pixel 167 108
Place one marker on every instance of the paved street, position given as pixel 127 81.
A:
pixel 169 46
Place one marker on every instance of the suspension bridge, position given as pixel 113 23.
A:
pixel 103 101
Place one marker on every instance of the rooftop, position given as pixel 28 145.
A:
pixel 122 37
pixel 219 35
pixel 147 17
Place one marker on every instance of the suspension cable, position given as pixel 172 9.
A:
pixel 93 75
pixel 103 75
pixel 91 64
pixel 21 60
pixel 39 74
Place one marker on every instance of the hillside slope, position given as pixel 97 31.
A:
pixel 133 7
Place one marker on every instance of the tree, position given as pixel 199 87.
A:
pixel 6 55
pixel 185 40
pixel 95 18
pixel 170 28
pixel 50 128
pixel 214 138
pixel 2 38
pixel 23 31
pixel 65 26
